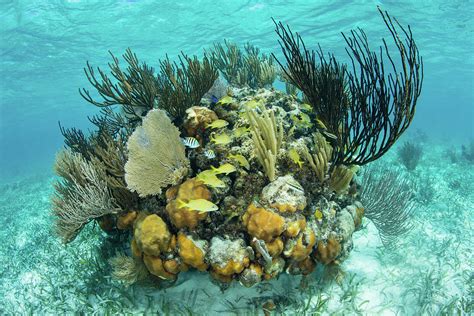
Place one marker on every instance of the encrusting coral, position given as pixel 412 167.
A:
pixel 152 235
pixel 193 252
pixel 263 224
pixel 191 189
pixel 243 182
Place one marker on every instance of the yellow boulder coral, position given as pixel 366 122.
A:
pixel 328 252
pixel 275 247
pixel 232 267
pixel 191 189
pixel 303 246
pixel 295 227
pixel 156 267
pixel 191 253
pixel 174 266
pixel 263 224
pixel 152 235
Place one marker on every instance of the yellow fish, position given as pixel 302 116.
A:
pixel 200 205
pixel 295 157
pixel 241 160
pixel 209 178
pixel 252 104
pixel 302 119
pixel 225 168
pixel 221 139
pixel 241 131
pixel 218 124
pixel 318 215
pixel 305 118
pixel 226 100
pixel 306 107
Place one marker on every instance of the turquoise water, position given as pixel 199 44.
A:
pixel 44 47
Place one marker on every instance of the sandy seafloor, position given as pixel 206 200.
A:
pixel 430 272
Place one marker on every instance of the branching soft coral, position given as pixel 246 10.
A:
pixel 81 196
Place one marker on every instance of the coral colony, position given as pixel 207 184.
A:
pixel 201 164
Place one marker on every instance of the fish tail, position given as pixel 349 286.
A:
pixel 182 204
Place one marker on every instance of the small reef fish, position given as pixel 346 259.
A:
pixel 210 154
pixel 221 139
pixel 200 205
pixel 214 99
pixel 241 131
pixel 318 215
pixel 209 178
pixel 226 100
pixel 306 107
pixel 241 160
pixel 295 157
pixel 305 119
pixel 302 120
pixel 225 168
pixel 252 104
pixel 190 142
pixel 218 124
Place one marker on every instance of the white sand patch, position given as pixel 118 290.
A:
pixel 30 278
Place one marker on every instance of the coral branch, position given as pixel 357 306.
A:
pixel 267 136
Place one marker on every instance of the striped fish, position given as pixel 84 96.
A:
pixel 190 142
pixel 210 154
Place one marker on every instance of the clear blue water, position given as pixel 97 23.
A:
pixel 45 44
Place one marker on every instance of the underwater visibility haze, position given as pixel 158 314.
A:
pixel 237 157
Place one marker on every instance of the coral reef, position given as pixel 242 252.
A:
pixel 244 186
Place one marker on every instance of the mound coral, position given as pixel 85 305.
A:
pixel 262 183
pixel 152 235
pixel 192 252
pixel 327 252
pixel 191 189
pixel 263 224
